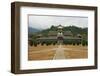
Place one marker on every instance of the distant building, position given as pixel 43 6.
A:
pixel 59 35
pixel 78 35
pixel 68 33
pixel 39 35
pixel 52 33
pixel 60 27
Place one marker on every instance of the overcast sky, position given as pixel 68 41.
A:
pixel 43 22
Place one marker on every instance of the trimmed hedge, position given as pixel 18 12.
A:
pixel 31 43
pixel 54 42
pixel 84 43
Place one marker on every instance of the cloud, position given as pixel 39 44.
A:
pixel 43 22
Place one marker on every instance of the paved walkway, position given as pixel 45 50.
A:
pixel 59 53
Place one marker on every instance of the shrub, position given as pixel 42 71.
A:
pixel 48 43
pixel 42 43
pixel 35 43
pixel 38 43
pixel 77 43
pixel 73 43
pixel 54 43
pixel 84 42
pixel 31 43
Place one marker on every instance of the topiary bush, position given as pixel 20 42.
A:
pixel 35 43
pixel 31 43
pixel 84 42
pixel 47 43
pixel 42 43
pixel 54 43
pixel 78 43
pixel 73 43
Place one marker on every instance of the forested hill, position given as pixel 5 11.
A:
pixel 75 30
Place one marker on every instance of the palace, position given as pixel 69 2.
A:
pixel 59 35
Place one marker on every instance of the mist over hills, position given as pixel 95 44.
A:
pixel 33 30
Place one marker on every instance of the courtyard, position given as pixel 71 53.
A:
pixel 55 52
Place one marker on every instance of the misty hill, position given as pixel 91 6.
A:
pixel 32 30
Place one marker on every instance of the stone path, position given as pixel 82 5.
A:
pixel 59 53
